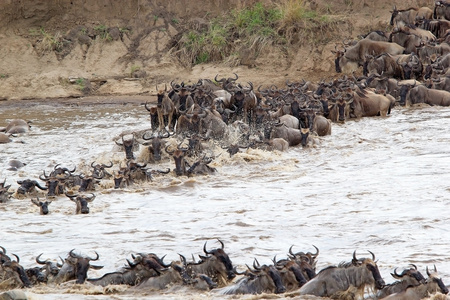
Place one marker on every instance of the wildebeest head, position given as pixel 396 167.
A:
pixel 409 272
pixel 371 265
pixel 98 170
pixel 51 268
pixel 13 270
pixel 291 273
pixel 42 205
pixel 180 163
pixel 226 266
pixel 434 279
pixel 128 146
pixel 36 275
pixel 55 183
pixel 307 261
pixel 81 265
pixel 4 194
pixel 82 202
pixel 28 186
pixel 154 147
pixel 270 277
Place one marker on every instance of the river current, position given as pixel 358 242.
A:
pixel 378 184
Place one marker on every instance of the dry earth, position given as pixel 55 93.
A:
pixel 140 34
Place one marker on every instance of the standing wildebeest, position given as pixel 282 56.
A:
pixel 262 279
pixel 401 17
pixel 216 264
pixel 359 273
pixel 165 108
pixel 409 277
pixel 432 285
pixel 76 267
pixel 354 56
pixel 422 94
pixel 43 206
pixel 441 10
pixel 82 202
pixel 340 108
pixel 367 103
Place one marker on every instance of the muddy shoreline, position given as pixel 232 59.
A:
pixel 83 101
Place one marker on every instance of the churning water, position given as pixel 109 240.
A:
pixel 378 184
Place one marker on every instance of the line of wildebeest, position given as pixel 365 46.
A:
pixel 215 271
pixel 406 66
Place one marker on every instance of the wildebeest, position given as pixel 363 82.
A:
pixel 81 202
pixel 216 264
pixel 13 275
pixel 422 94
pixel 291 273
pixel 5 195
pixel 367 103
pixel 340 108
pixel 129 145
pixel 291 135
pixel 409 277
pixel 260 279
pixel 307 262
pixel 28 186
pixel 55 184
pixel 43 205
pixel 432 285
pixel 165 108
pixel 98 170
pixel 5 138
pixel 441 10
pixel 352 57
pixel 401 17
pixel 76 267
pixel 154 120
pixel 51 269
pixel 17 126
pixel 155 145
pixel 359 273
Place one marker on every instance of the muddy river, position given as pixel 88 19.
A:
pixel 378 184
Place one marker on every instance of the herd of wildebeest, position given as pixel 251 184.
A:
pixel 406 66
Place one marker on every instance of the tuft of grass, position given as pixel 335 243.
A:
pixel 51 42
pixel 102 31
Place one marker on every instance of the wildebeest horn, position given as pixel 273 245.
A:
pixel 60 265
pixel 94 252
pixel 108 166
pixel 398 275
pixel 145 105
pixel 3 249
pixel 373 255
pixel 40 261
pixel 183 259
pixel 169 152
pixel 221 243
pixel 73 254
pixel 256 265
pixel 354 256
pixel 414 266
pixel 317 252
pixel 18 259
pixel 290 251
pixel 71 196
pixel 91 199
pixel 219 80
pixel 204 249
pixel 131 264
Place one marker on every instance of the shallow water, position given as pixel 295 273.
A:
pixel 378 184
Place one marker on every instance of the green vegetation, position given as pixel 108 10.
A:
pixel 80 82
pixel 51 42
pixel 102 31
pixel 251 29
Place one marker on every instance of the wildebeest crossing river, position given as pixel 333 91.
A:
pixel 378 184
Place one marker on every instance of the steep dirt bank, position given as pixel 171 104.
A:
pixel 71 48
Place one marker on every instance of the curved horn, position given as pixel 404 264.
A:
pixel 221 243
pixel 169 152
pixel 18 259
pixel 71 254
pixel 204 249
pixel 317 252
pixel 398 275
pixel 256 265
pixel 108 166
pixel 40 261
pixel 145 105
pixel 97 256
pixel 231 79
pixel 3 249
pixel 219 80
pixel 354 256
pixel 131 264
pixel 290 251
pixel 373 255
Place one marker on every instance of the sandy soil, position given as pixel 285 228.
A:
pixel 140 46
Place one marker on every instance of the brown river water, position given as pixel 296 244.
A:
pixel 378 184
